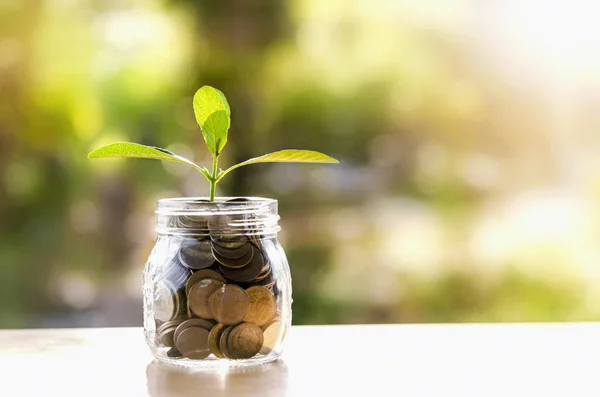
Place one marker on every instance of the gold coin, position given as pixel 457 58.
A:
pixel 200 274
pixel 169 324
pixel 166 338
pixel 262 305
pixel 199 294
pixel 272 333
pixel 165 335
pixel 214 340
pixel 229 304
pixel 245 341
pixel 223 341
pixel 193 343
pixel 195 322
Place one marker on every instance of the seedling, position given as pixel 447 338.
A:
pixel 214 117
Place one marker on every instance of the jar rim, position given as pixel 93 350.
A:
pixel 202 205
pixel 225 216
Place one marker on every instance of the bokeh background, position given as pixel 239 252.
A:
pixel 468 135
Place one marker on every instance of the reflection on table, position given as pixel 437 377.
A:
pixel 168 381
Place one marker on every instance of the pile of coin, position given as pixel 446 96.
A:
pixel 217 295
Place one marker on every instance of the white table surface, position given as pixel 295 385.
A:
pixel 363 360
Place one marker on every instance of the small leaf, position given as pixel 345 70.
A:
pixel 213 115
pixel 285 156
pixel 135 150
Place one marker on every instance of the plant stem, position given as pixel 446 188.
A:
pixel 213 182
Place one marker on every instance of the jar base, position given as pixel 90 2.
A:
pixel 218 363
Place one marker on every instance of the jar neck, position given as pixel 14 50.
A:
pixel 197 216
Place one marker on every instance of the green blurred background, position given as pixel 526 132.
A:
pixel 469 188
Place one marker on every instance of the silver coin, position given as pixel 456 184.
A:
pixel 196 254
pixel 165 301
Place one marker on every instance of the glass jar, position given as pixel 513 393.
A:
pixel 217 285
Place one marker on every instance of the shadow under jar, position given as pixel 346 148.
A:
pixel 217 285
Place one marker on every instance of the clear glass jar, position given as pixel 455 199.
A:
pixel 217 285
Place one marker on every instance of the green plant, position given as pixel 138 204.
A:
pixel 214 117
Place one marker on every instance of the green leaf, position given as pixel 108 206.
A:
pixel 284 156
pixel 135 150
pixel 213 115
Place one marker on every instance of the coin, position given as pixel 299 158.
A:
pixel 199 294
pixel 270 285
pixel 256 240
pixel 169 324
pixel 175 272
pixel 272 332
pixel 267 265
pixel 195 322
pixel 193 343
pixel 238 200
pixel 223 341
pixel 232 253
pixel 180 304
pixel 234 263
pixel 166 333
pixel 261 305
pixel 214 340
pixel 229 304
pixel 244 341
pixel 165 301
pixel 267 282
pixel 200 274
pixel 229 243
pixel 248 272
pixel 173 353
pixel 196 254
pixel 225 237
pixel 263 274
pixel 219 223
pixel 189 312
pixel 191 222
